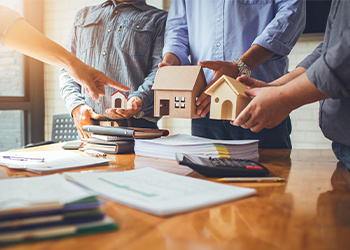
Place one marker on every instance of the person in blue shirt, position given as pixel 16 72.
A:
pixel 124 39
pixel 250 36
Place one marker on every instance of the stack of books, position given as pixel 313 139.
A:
pixel 49 207
pixel 116 140
pixel 181 143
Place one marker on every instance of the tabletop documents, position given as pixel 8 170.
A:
pixel 158 192
pixel 43 162
pixel 166 147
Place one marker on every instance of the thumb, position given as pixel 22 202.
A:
pixel 213 65
pixel 94 115
pixel 252 92
pixel 246 80
pixel 92 90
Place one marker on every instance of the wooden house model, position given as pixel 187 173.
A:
pixel 119 100
pixel 176 89
pixel 228 98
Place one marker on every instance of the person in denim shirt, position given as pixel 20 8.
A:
pixel 322 76
pixel 123 39
pixel 259 33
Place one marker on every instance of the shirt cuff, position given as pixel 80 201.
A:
pixel 177 51
pixel 273 45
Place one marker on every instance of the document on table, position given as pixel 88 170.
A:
pixel 53 161
pixel 158 192
pixel 37 193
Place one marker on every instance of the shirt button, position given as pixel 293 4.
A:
pixel 104 53
pixel 137 26
pixel 218 44
pixel 109 31
pixel 98 101
pixel 219 19
pixel 116 11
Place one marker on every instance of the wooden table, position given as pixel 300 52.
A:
pixel 311 210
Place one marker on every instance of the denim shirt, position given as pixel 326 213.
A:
pixel 124 41
pixel 225 29
pixel 328 69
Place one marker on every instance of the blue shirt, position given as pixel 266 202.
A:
pixel 124 41
pixel 225 29
pixel 328 69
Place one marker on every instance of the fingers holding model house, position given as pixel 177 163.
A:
pixel 42 48
pixel 134 105
pixel 272 105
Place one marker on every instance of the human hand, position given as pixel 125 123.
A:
pixel 134 105
pixel 162 64
pixel 220 68
pixel 251 82
pixel 82 115
pixel 93 80
pixel 266 110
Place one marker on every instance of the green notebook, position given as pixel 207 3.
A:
pixel 34 235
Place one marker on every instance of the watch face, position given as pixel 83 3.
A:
pixel 245 71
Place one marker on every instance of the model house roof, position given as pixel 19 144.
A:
pixel 120 93
pixel 237 87
pixel 178 77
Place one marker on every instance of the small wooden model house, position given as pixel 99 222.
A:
pixel 228 98
pixel 176 89
pixel 119 100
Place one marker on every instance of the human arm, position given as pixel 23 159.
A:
pixel 272 105
pixel 42 48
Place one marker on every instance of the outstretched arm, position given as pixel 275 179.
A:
pixel 42 48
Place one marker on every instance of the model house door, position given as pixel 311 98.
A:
pixel 118 103
pixel 226 110
pixel 164 107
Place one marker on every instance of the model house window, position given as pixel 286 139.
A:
pixel 177 99
pixel 182 105
pixel 182 99
pixel 177 105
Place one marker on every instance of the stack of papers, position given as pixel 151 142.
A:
pixel 43 162
pixel 41 208
pixel 167 147
pixel 159 192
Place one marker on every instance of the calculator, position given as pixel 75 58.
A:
pixel 222 167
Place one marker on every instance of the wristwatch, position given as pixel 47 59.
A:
pixel 243 69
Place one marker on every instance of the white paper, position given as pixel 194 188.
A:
pixel 158 192
pixel 25 192
pixel 181 143
pixel 53 161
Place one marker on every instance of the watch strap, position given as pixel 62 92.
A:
pixel 243 69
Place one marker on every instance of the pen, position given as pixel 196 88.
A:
pixel 94 152
pixel 251 179
pixel 19 158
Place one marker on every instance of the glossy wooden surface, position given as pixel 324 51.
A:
pixel 311 210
